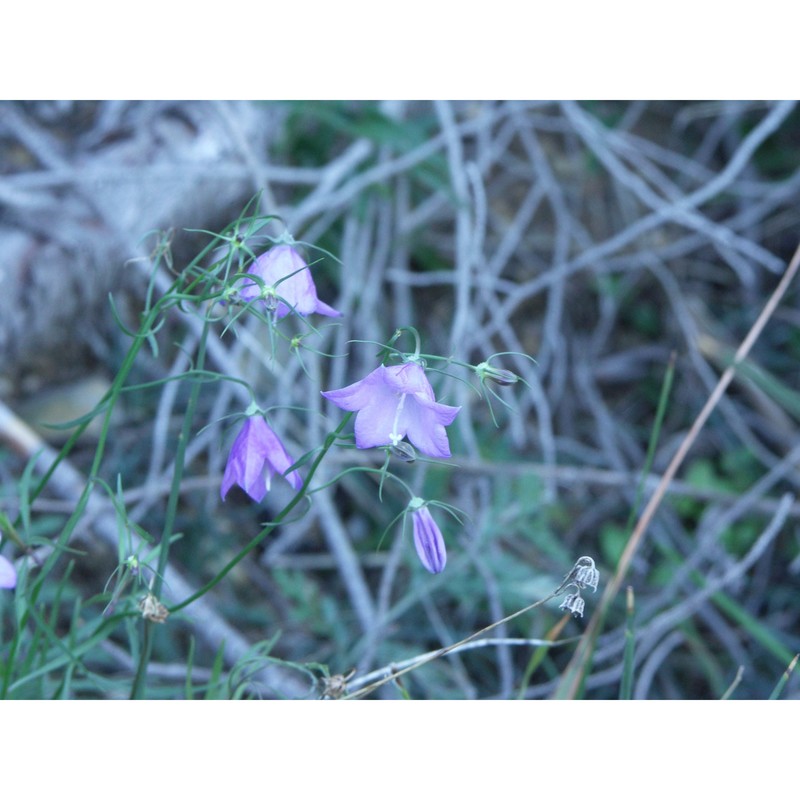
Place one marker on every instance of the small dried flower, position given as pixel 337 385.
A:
pixel 257 455
pixel 428 539
pixel 574 604
pixel 586 574
pixel 394 402
pixel 8 575
pixel 583 574
pixel 287 284
pixel 152 609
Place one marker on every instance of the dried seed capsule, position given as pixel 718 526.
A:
pixel 574 604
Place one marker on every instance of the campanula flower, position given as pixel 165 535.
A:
pixel 287 284
pixel 257 455
pixel 428 538
pixel 8 575
pixel 393 402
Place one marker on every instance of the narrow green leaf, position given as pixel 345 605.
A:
pixel 626 685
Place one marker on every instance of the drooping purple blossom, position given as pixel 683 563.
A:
pixel 393 402
pixel 428 538
pixel 257 455
pixel 8 575
pixel 287 282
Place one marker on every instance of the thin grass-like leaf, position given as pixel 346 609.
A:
pixel 626 684
pixel 784 679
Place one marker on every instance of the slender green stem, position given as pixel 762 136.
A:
pixel 109 401
pixel 734 684
pixel 177 477
pixel 193 285
pixel 626 685
pixel 655 434
pixel 776 692
pixel 137 692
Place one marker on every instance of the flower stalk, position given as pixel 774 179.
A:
pixel 395 674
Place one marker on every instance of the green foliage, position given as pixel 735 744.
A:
pixel 777 158
pixel 729 475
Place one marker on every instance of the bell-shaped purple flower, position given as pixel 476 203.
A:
pixel 287 284
pixel 393 402
pixel 428 538
pixel 257 455
pixel 8 575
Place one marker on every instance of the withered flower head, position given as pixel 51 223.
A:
pixel 152 609
pixel 574 604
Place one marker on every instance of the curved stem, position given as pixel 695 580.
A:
pixel 445 650
pixel 137 691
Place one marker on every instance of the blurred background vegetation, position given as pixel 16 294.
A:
pixel 599 238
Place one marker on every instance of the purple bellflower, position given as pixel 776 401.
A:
pixel 287 282
pixel 428 538
pixel 393 402
pixel 8 575
pixel 257 455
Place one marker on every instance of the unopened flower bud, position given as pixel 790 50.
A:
pixel 428 539
pixel 230 296
pixel 132 563
pixel 503 377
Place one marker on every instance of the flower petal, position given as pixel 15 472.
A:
pixel 245 465
pixel 375 422
pixel 357 395
pixel 424 421
pixel 408 378
pixel 257 448
pixel 8 575
pixel 326 310
pixel 277 459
